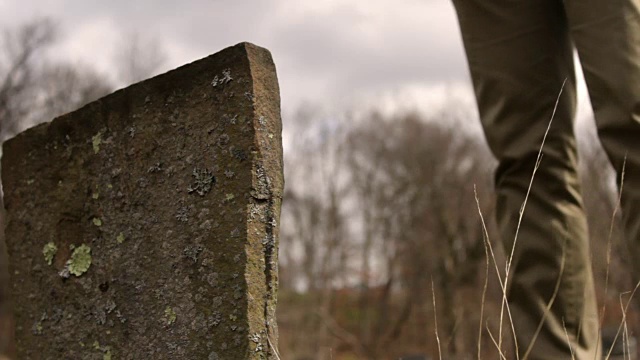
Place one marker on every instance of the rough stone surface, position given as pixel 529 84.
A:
pixel 145 225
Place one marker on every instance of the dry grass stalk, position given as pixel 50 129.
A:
pixel 524 205
pixel 502 285
pixel 625 333
pixel 495 343
pixel 275 351
pixel 573 355
pixel 606 277
pixel 485 239
pixel 549 304
pixel 624 319
pixel 435 319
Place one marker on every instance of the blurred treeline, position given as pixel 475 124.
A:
pixel 36 86
pixel 380 220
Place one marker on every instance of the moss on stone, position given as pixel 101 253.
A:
pixel 80 260
pixel 107 354
pixel 170 315
pixel 96 140
pixel 49 251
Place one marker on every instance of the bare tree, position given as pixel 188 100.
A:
pixel 22 48
pixel 315 237
pixel 32 87
pixel 386 204
pixel 415 179
pixel 138 58
pixel 377 208
pixel 62 88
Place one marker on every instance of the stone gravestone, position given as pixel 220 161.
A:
pixel 145 225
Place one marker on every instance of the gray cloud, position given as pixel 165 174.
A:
pixel 325 51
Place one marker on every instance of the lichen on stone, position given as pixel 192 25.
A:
pixel 157 167
pixel 192 252
pixel 80 260
pixel 96 140
pixel 107 354
pixel 257 339
pixel 120 238
pixel 224 79
pixel 169 315
pixel 183 214
pixel 106 350
pixel 97 221
pixel 49 251
pixel 64 273
pixel 37 328
pixel 203 181
pixel 261 190
pixel 223 140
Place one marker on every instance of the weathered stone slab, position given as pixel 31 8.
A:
pixel 145 225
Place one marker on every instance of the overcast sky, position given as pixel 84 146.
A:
pixel 392 53
pixel 329 51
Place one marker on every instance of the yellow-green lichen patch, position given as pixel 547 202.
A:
pixel 49 251
pixel 80 260
pixel 96 140
pixel 107 353
pixel 95 195
pixel 120 238
pixel 229 197
pixel 97 222
pixel 169 315
pixel 38 328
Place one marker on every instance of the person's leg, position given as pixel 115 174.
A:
pixel 607 37
pixel 519 54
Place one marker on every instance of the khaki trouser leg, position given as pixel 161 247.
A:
pixel 607 37
pixel 519 54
